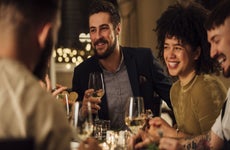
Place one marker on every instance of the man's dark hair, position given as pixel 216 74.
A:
pixel 219 14
pixel 25 17
pixel 186 23
pixel 34 11
pixel 107 7
pixel 41 69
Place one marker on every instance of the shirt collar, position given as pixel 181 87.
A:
pixel 121 64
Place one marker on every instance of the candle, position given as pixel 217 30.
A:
pixel 67 104
pixel 76 111
pixel 131 107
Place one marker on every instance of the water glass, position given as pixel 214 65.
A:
pixel 63 98
pixel 82 129
pixel 100 129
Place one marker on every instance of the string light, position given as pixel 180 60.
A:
pixel 72 55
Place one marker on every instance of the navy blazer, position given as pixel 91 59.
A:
pixel 145 73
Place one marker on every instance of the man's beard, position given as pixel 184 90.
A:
pixel 217 64
pixel 41 69
pixel 108 52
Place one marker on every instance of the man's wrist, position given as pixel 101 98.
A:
pixel 81 115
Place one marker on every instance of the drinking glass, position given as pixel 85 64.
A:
pixel 96 82
pixel 100 129
pixel 63 98
pixel 82 129
pixel 135 116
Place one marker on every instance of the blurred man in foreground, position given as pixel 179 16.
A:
pixel 28 31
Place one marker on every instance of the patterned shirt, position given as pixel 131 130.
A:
pixel 118 89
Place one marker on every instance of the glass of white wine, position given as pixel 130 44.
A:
pixel 82 129
pixel 96 82
pixel 135 116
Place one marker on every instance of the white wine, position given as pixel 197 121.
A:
pixel 135 124
pixel 98 93
pixel 84 131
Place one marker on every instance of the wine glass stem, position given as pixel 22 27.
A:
pixel 97 116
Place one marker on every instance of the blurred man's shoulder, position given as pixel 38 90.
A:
pixel 20 82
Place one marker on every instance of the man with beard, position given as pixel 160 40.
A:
pixel 218 31
pixel 27 110
pixel 126 71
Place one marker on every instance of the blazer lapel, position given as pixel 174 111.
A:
pixel 132 71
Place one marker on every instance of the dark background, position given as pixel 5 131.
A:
pixel 75 20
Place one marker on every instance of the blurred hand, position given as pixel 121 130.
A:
pixel 95 101
pixel 157 128
pixel 59 89
pixel 160 126
pixel 47 85
pixel 170 144
pixel 140 140
pixel 89 144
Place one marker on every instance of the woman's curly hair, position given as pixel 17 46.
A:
pixel 186 23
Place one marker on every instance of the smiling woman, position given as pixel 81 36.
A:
pixel 184 49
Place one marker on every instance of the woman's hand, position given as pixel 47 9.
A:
pixel 161 128
pixel 170 144
pixel 140 140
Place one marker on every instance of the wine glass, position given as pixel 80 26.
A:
pixel 82 129
pixel 96 82
pixel 63 98
pixel 135 116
